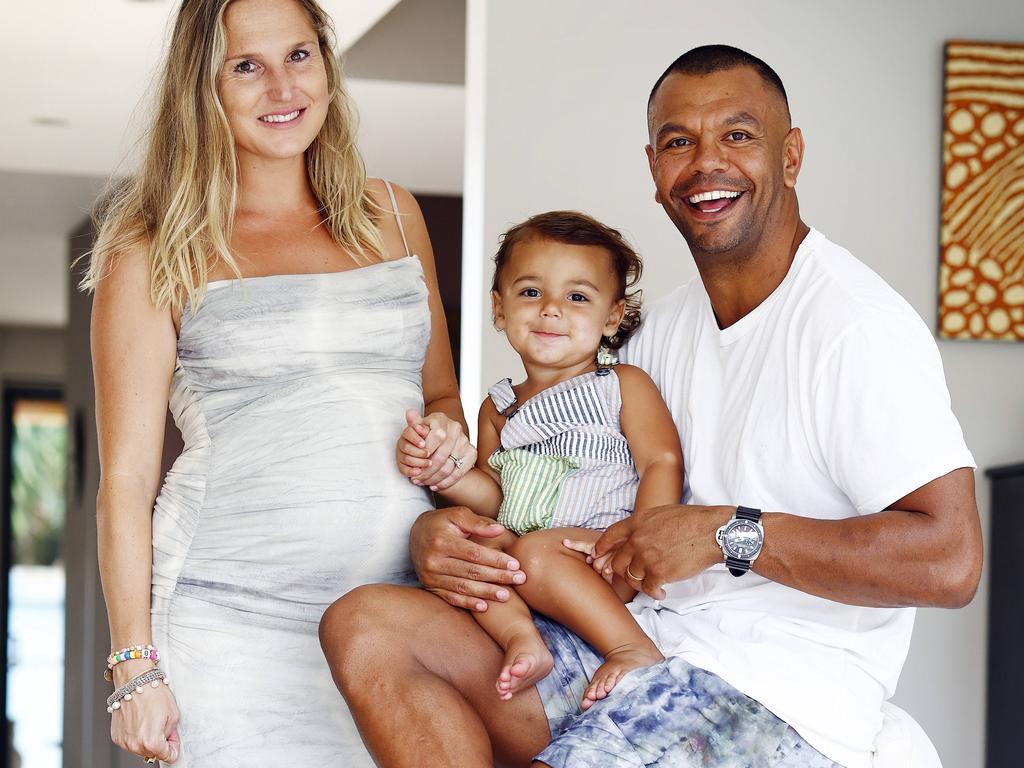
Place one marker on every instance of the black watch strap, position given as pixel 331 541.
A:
pixel 748 513
pixel 736 566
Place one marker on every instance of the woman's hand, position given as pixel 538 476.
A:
pixel 428 448
pixel 147 725
pixel 460 571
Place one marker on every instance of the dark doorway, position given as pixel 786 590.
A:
pixel 32 581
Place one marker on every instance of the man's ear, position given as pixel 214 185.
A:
pixel 618 311
pixel 497 313
pixel 792 156
pixel 650 164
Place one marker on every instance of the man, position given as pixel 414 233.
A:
pixel 803 386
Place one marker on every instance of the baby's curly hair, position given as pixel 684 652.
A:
pixel 575 228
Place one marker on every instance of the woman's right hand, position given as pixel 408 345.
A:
pixel 427 444
pixel 455 568
pixel 147 725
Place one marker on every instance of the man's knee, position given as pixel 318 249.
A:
pixel 356 627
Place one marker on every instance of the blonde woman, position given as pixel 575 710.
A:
pixel 289 307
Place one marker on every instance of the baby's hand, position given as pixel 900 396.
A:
pixel 599 564
pixel 434 450
pixel 411 452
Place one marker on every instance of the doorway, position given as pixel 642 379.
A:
pixel 33 581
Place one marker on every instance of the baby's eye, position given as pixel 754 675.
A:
pixel 578 297
pixel 299 55
pixel 530 293
pixel 246 67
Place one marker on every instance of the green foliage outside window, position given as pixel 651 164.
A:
pixel 37 487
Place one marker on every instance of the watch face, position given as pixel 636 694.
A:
pixel 743 539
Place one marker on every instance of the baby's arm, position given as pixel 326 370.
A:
pixel 654 442
pixel 479 488
pixel 653 439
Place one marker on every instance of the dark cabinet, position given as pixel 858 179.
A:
pixel 1005 714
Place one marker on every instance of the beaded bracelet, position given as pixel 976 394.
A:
pixel 132 652
pixel 136 686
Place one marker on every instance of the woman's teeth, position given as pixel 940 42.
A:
pixel 281 118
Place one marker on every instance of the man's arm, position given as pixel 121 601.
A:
pixel 923 550
pixel 452 566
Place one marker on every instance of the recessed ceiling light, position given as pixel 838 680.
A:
pixel 54 122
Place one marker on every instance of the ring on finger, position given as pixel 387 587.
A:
pixel 149 760
pixel 457 460
pixel 632 575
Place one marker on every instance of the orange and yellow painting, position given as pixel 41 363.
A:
pixel 981 277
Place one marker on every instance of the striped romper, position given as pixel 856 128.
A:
pixel 563 460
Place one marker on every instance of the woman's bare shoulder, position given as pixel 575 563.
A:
pixel 412 220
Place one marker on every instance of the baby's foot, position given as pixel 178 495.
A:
pixel 527 660
pixel 616 664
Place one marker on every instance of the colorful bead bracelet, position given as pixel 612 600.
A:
pixel 132 652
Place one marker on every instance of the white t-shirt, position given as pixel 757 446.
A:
pixel 828 400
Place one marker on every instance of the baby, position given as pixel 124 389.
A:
pixel 569 451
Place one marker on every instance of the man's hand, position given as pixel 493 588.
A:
pixel 460 571
pixel 661 545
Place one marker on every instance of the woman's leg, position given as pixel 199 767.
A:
pixel 510 625
pixel 561 585
pixel 417 675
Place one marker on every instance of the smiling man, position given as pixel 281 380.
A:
pixel 828 492
pixel 804 386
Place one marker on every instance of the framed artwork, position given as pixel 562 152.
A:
pixel 981 273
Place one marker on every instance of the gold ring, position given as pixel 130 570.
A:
pixel 632 575
pixel 149 760
pixel 458 460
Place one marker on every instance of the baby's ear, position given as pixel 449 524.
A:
pixel 618 311
pixel 497 313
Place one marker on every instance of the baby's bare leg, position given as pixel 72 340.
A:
pixel 510 625
pixel 560 584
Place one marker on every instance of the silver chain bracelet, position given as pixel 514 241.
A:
pixel 136 686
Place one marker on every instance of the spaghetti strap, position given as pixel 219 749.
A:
pixel 398 216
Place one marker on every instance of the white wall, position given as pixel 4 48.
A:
pixel 562 93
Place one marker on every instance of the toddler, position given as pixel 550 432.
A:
pixel 571 450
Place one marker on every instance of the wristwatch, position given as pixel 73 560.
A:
pixel 741 540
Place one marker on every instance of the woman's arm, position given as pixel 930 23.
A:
pixel 133 353
pixel 440 387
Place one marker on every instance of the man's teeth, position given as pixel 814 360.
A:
pixel 717 194
pixel 280 118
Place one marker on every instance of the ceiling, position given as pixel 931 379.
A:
pixel 75 97
pixel 77 100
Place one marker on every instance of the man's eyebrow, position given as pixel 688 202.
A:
pixel 737 118
pixel 668 128
pixel 303 44
pixel 742 118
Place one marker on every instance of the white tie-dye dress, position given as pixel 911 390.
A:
pixel 290 392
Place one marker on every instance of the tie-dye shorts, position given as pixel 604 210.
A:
pixel 670 715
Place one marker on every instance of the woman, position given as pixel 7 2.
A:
pixel 252 271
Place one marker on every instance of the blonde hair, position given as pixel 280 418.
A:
pixel 181 204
